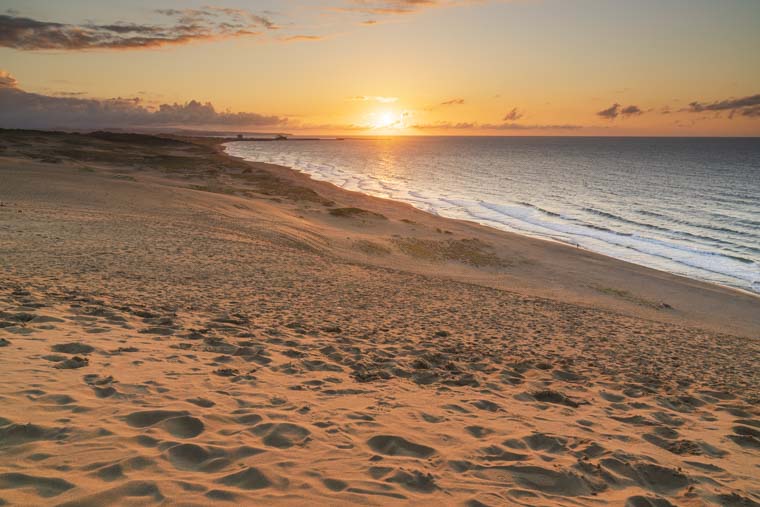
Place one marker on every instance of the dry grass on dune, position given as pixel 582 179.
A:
pixel 213 333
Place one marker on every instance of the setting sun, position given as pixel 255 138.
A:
pixel 386 120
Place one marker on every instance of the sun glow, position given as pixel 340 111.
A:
pixel 382 120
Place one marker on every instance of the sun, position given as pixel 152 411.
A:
pixel 386 120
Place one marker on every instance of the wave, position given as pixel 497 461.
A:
pixel 733 266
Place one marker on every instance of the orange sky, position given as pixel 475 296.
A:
pixel 366 67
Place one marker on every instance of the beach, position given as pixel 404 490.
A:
pixel 178 326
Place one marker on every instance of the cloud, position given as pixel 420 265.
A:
pixel 453 102
pixel 187 25
pixel 616 110
pixel 631 111
pixel 297 38
pixel 746 106
pixel 611 112
pixel 491 126
pixel 513 115
pixel 393 7
pixel 373 98
pixel 389 6
pixel 21 109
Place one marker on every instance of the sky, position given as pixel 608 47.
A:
pixel 384 67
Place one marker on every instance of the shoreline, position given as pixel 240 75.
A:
pixel 571 242
pixel 305 178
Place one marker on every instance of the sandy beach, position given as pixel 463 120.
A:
pixel 180 327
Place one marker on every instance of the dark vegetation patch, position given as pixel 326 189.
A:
pixel 356 213
pixel 632 298
pixel 467 251
pixel 371 248
pixel 188 157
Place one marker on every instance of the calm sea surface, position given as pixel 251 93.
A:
pixel 686 206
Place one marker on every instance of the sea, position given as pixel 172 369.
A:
pixel 689 206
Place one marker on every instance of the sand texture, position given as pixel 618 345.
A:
pixel 178 327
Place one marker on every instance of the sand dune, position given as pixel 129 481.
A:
pixel 176 330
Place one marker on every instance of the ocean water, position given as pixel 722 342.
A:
pixel 685 206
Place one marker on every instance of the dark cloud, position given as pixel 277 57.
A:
pixel 187 25
pixel 491 126
pixel 631 111
pixel 453 102
pixel 616 110
pixel 21 109
pixel 611 112
pixel 746 106
pixel 513 115
pixel 751 112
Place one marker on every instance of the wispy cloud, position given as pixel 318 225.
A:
pixel 452 102
pixel 21 109
pixel 300 38
pixel 513 115
pixel 616 110
pixel 746 106
pixel 631 111
pixel 185 26
pixel 491 126
pixel 388 6
pixel 395 7
pixel 374 98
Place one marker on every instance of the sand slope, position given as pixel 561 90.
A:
pixel 166 342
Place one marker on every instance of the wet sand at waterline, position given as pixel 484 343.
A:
pixel 181 327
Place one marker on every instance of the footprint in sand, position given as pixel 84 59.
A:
pixel 546 443
pixel 282 435
pixel 45 487
pixel 72 348
pixel 397 446
pixel 478 431
pixel 146 491
pixel 73 363
pixel 18 434
pixel 653 477
pixel 559 482
pixel 496 453
pixel 250 478
pixel 414 480
pixel 555 397
pixel 101 386
pixel 647 501
pixel 746 437
pixel 334 484
pixel 207 459
pixel 201 402
pixel 178 423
